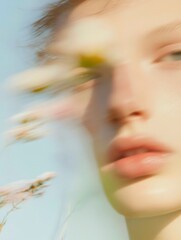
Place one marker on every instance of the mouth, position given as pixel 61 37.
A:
pixel 137 156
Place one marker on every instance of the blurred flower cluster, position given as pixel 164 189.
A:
pixel 75 57
pixel 16 193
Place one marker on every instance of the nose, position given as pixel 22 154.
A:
pixel 128 99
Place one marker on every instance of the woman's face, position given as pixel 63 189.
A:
pixel 140 97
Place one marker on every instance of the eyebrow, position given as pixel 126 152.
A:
pixel 167 28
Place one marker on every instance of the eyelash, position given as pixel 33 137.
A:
pixel 167 53
pixel 173 54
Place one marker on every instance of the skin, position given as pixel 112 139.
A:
pixel 142 95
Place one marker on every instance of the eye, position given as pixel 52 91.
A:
pixel 170 54
pixel 173 56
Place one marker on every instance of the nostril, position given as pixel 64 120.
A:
pixel 142 114
pixel 136 114
pixel 120 115
pixel 114 118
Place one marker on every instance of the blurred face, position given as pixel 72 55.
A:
pixel 140 97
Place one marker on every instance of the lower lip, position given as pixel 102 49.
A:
pixel 140 165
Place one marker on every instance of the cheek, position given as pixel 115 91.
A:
pixel 163 79
pixel 96 112
pixel 93 113
pixel 94 120
pixel 164 95
pixel 91 118
pixel 167 102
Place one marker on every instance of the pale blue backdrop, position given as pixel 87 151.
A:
pixel 67 153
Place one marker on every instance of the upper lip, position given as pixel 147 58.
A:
pixel 122 144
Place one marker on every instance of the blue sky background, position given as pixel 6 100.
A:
pixel 68 153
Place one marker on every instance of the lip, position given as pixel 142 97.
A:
pixel 122 144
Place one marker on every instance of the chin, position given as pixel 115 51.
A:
pixel 146 197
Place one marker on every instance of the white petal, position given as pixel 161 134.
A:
pixel 38 78
pixel 46 176
pixel 81 37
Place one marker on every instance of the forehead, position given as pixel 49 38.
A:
pixel 134 20
pixel 138 9
pixel 133 17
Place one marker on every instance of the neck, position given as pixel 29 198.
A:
pixel 163 227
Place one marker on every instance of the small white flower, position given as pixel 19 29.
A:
pixel 27 117
pixel 28 132
pixel 46 176
pixel 19 191
pixel 40 78
pixel 35 135
pixel 91 40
